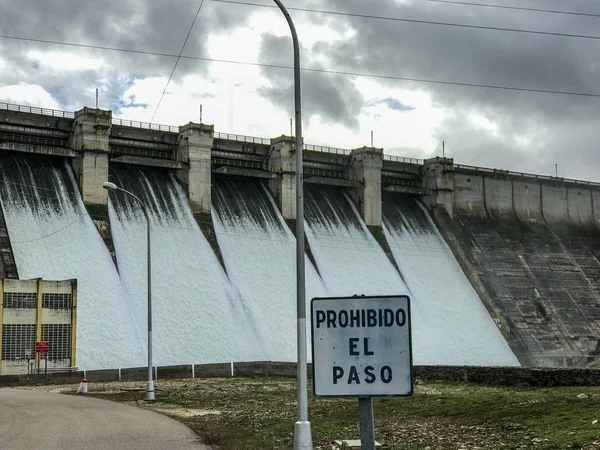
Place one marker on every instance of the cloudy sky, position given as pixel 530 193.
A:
pixel 506 129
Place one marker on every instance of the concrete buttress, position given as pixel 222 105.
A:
pixel 194 150
pixel 90 139
pixel 438 180
pixel 282 161
pixel 366 164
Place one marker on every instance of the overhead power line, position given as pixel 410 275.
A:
pixel 418 21
pixel 177 60
pixel 324 71
pixel 517 8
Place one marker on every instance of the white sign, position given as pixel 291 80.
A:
pixel 361 346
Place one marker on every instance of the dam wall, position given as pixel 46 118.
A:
pixel 530 246
pixel 514 258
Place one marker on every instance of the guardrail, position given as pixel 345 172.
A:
pixel 242 138
pixel 36 110
pixel 522 174
pixel 403 159
pixel 145 125
pixel 130 143
pixel 155 154
pixel 325 149
pixel 24 139
pixel 175 129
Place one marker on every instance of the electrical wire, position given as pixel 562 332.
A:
pixel 324 71
pixel 177 60
pixel 516 8
pixel 417 21
pixel 53 233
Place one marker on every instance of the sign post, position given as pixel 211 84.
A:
pixel 42 347
pixel 362 347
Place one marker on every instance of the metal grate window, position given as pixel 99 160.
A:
pixel 57 301
pixel 20 300
pixel 18 342
pixel 59 337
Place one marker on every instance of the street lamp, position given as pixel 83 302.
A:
pixel 302 432
pixel 150 384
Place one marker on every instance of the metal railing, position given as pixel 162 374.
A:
pixel 175 129
pixel 154 154
pixel 522 174
pixel 325 149
pixel 132 143
pixel 24 139
pixel 402 182
pixel 36 110
pixel 242 138
pixel 403 159
pixel 145 125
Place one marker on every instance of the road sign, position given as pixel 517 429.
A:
pixel 42 347
pixel 361 346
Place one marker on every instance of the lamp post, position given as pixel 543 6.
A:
pixel 150 384
pixel 302 431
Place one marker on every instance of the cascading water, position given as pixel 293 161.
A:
pixel 53 238
pixel 198 317
pixel 259 253
pixel 450 306
pixel 351 261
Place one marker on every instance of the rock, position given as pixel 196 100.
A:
pixel 582 396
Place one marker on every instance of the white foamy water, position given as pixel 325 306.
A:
pixel 198 317
pixel 53 238
pixel 351 262
pixel 451 309
pixel 259 252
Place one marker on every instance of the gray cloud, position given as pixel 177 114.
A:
pixel 333 98
pixel 157 26
pixel 533 130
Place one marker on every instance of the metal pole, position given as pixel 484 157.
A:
pixel 302 429
pixel 367 429
pixel 150 383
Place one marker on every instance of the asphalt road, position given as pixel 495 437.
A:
pixel 36 420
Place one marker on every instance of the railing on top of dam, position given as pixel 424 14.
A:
pixel 175 129
pixel 36 110
pixel 404 159
pixel 144 125
pixel 523 174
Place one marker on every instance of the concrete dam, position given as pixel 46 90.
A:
pixel 501 267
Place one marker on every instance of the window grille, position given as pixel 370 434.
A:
pixel 59 338
pixel 20 300
pixel 57 301
pixel 17 341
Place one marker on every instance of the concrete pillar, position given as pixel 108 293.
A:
pixel 194 150
pixel 89 137
pixel 438 181
pixel 365 165
pixel 282 161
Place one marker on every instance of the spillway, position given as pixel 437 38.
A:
pixel 53 238
pixel 449 304
pixel 259 252
pixel 351 262
pixel 199 317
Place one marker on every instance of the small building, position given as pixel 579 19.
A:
pixel 37 311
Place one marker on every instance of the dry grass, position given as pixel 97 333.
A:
pixel 259 413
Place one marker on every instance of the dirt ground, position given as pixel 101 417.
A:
pixel 259 413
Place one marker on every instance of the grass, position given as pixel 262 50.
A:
pixel 259 413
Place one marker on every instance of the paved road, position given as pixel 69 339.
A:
pixel 35 420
